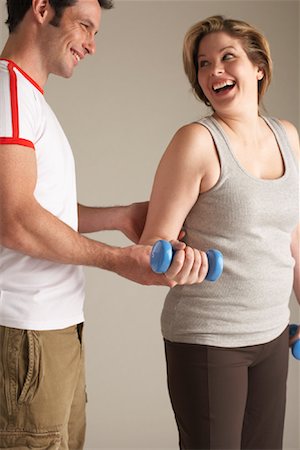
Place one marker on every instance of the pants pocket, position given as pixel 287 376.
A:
pixel 32 356
pixel 22 367
pixel 22 440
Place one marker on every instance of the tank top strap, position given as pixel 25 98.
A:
pixel 282 140
pixel 227 160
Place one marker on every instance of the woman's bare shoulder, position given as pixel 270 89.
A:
pixel 193 136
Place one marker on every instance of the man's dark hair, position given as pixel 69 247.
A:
pixel 17 9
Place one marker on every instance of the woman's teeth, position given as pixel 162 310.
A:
pixel 217 87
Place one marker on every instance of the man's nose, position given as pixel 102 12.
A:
pixel 90 46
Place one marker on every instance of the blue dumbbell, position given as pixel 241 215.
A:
pixel 296 345
pixel 162 254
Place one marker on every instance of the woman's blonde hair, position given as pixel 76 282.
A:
pixel 254 44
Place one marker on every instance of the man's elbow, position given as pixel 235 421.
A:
pixel 11 234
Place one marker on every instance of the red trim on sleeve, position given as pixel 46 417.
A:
pixel 14 101
pixel 24 74
pixel 13 86
pixel 16 141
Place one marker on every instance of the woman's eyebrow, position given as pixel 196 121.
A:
pixel 221 50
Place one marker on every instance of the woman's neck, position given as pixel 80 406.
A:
pixel 245 125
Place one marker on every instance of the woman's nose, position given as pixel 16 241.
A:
pixel 217 68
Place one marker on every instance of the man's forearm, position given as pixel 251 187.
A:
pixel 40 234
pixel 93 219
pixel 129 219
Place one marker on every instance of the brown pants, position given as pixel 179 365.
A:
pixel 42 389
pixel 229 398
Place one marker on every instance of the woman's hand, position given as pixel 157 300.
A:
pixel 295 337
pixel 189 265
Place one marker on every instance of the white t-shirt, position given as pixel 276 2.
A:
pixel 34 293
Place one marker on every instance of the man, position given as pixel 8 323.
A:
pixel 42 387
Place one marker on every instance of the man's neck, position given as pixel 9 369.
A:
pixel 23 56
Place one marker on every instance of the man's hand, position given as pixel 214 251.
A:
pixel 134 220
pixel 189 266
pixel 133 263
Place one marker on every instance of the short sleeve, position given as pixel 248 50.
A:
pixel 18 109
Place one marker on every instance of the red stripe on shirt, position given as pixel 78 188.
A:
pixel 16 141
pixel 14 101
pixel 24 74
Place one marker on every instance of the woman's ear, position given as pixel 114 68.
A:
pixel 260 74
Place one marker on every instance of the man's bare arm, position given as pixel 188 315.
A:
pixel 130 219
pixel 25 226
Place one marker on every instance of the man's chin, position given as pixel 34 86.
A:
pixel 64 73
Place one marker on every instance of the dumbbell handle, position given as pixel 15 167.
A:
pixel 296 345
pixel 162 254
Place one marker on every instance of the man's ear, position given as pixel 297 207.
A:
pixel 40 9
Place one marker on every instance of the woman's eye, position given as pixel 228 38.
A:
pixel 203 63
pixel 228 56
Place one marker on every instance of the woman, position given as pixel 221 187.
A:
pixel 231 180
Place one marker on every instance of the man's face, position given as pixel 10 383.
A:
pixel 66 45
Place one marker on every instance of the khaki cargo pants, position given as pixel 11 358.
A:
pixel 42 389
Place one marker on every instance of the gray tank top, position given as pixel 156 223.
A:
pixel 250 221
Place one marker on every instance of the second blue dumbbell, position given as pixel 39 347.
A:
pixel 162 254
pixel 296 345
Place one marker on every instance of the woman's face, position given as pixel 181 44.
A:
pixel 226 75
